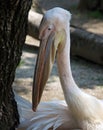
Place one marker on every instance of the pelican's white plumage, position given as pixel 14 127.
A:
pixel 81 110
pixel 52 114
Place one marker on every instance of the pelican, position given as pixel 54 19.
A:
pixel 81 110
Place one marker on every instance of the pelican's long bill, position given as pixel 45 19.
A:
pixel 44 63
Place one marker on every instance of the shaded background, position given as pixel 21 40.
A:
pixel 88 75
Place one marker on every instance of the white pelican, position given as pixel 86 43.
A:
pixel 82 111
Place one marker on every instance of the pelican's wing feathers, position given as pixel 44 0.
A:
pixel 52 114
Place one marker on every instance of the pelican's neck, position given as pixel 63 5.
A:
pixel 76 99
pixel 64 68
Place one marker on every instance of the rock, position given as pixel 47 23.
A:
pixel 87 45
pixel 83 43
pixel 66 4
pixel 33 23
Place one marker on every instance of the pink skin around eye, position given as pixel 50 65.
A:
pixel 46 32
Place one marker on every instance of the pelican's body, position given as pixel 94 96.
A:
pixel 82 111
pixel 53 115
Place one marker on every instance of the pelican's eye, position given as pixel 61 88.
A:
pixel 49 28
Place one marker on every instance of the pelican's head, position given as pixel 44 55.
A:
pixel 52 35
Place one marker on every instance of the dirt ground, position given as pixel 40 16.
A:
pixel 87 21
pixel 88 75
